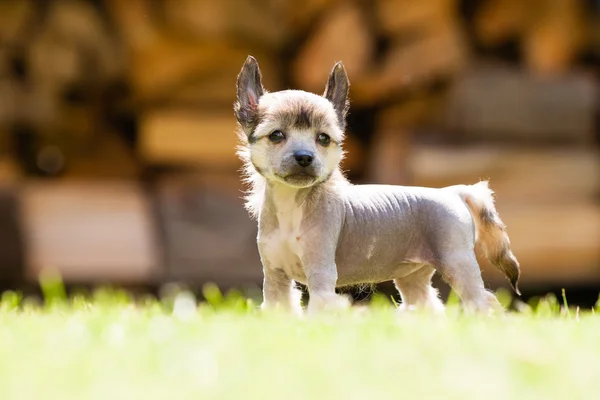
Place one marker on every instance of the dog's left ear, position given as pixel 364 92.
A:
pixel 249 91
pixel 336 92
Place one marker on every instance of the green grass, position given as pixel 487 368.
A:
pixel 109 347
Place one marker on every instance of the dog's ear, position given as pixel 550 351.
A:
pixel 336 92
pixel 249 91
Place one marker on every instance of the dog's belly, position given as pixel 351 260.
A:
pixel 356 275
pixel 375 266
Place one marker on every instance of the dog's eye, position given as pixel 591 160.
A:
pixel 323 139
pixel 276 136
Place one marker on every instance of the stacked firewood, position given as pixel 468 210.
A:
pixel 443 92
pixel 185 56
pixel 61 64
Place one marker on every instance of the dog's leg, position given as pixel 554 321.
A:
pixel 321 289
pixel 417 293
pixel 461 271
pixel 279 291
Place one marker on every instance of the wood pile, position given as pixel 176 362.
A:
pixel 185 55
pixel 189 56
pixel 443 92
pixel 551 33
pixel 90 232
pixel 59 62
pixel 208 236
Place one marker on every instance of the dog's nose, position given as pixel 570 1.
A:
pixel 303 158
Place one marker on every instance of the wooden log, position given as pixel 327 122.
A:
pixel 551 33
pixel 164 66
pixel 198 18
pixel 523 108
pixel 208 235
pixel 106 157
pixel 133 21
pixel 387 158
pixel 355 157
pixel 169 65
pixel 68 60
pixel 552 43
pixel 14 17
pixel 437 54
pixel 89 232
pixel 498 20
pixel 594 36
pixel 10 99
pixel 12 251
pixel 418 110
pixel 189 138
pixel 212 88
pixel 264 25
pixel 270 24
pixel 342 36
pixel 399 16
pixel 10 172
pixel 394 136
pixel 302 13
pixel 517 174
pixel 72 46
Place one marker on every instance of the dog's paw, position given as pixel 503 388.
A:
pixel 294 309
pixel 487 304
pixel 433 309
pixel 328 303
pixel 493 306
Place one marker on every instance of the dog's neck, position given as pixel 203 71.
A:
pixel 268 196
pixel 281 198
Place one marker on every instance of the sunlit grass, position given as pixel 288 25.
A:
pixel 105 345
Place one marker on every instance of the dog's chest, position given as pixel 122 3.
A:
pixel 282 245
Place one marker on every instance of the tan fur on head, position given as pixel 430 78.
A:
pixel 301 116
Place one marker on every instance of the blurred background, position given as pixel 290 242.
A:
pixel 117 160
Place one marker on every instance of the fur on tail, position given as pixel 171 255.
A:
pixel 491 231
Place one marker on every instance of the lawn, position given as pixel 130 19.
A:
pixel 105 346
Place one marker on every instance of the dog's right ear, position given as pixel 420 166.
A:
pixel 336 92
pixel 249 91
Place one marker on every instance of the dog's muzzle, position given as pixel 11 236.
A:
pixel 299 169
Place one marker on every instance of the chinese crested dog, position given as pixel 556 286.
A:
pixel 316 228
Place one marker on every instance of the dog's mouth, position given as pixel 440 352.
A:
pixel 299 178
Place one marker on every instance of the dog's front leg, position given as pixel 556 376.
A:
pixel 279 291
pixel 321 279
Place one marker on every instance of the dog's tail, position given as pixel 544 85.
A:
pixel 491 231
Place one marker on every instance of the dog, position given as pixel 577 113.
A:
pixel 316 228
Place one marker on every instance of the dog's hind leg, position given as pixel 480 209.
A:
pixel 416 291
pixel 461 270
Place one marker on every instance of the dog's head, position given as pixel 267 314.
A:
pixel 294 137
